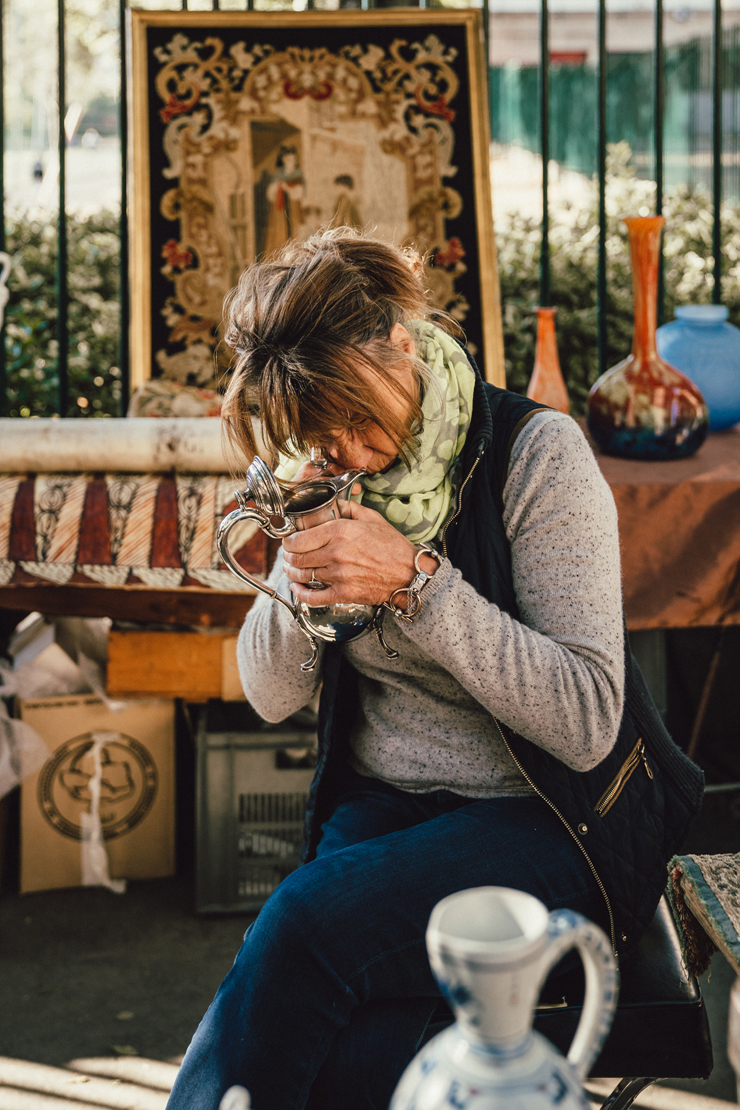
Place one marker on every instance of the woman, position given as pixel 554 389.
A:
pixel 511 742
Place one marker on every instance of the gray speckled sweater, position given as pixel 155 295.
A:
pixel 555 676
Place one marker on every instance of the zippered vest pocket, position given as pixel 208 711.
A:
pixel 617 785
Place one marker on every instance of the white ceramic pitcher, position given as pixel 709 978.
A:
pixel 490 949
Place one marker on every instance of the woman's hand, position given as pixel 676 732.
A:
pixel 360 558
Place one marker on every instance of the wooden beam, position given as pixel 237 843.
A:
pixel 188 606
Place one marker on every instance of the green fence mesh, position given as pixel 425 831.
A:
pixel 630 79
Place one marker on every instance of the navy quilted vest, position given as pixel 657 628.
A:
pixel 630 814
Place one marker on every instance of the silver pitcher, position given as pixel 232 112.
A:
pixel 282 508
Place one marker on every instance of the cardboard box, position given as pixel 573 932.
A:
pixel 195 666
pixel 136 790
pixel 231 683
pixel 169 664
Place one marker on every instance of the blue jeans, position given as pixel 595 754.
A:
pixel 331 993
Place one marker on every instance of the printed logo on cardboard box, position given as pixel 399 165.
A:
pixel 128 787
pixel 132 749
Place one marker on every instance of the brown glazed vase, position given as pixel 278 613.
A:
pixel 547 385
pixel 643 408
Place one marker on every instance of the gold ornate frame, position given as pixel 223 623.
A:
pixel 215 97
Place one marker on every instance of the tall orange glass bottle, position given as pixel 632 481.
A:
pixel 547 385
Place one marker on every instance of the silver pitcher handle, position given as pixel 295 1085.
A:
pixel 222 542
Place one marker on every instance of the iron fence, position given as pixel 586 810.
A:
pixel 564 112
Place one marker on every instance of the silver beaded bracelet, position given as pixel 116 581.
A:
pixel 414 588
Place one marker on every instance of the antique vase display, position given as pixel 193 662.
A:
pixel 643 407
pixel 490 949
pixel 701 343
pixel 547 385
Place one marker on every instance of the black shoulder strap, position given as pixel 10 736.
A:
pixel 510 413
pixel 518 427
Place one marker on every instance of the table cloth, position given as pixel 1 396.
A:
pixel 679 530
pixel 121 530
pixel 679 526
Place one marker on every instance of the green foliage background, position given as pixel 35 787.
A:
pixel 574 240
pixel 31 316
pixel 95 378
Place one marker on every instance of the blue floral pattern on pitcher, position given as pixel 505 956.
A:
pixel 484 1061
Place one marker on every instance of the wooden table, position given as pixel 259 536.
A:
pixel 679 530
pixel 679 525
pixel 138 547
pixel 188 606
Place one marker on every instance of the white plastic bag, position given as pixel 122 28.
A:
pixel 59 657
pixel 22 751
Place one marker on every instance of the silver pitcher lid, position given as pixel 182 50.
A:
pixel 263 488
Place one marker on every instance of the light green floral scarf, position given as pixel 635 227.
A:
pixel 417 499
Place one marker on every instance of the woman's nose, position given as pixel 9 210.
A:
pixel 351 453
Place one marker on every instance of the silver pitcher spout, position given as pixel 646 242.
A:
pixel 282 508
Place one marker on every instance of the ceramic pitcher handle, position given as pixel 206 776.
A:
pixel 567 930
pixel 222 542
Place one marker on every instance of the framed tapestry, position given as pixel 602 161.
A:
pixel 250 128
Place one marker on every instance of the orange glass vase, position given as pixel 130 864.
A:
pixel 643 408
pixel 547 385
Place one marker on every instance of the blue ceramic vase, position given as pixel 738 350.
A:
pixel 701 344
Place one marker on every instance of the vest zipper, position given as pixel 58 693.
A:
pixel 536 789
pixel 615 788
pixel 558 814
pixel 459 505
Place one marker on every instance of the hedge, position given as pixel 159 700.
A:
pixel 95 378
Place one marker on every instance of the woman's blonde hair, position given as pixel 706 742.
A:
pixel 311 330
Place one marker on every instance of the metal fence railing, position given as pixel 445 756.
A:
pixel 688 112
pixel 705 72
pixel 702 80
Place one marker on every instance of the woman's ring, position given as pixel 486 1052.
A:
pixel 313 582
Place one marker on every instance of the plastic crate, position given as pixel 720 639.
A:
pixel 250 804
